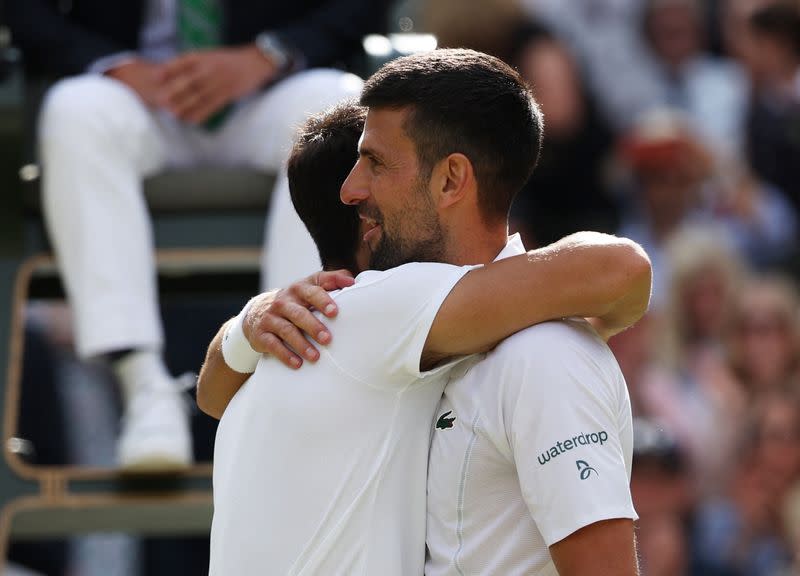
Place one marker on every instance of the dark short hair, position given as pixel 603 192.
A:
pixel 323 155
pixel 468 102
pixel 779 20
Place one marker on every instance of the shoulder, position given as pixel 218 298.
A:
pixel 550 340
pixel 555 361
pixel 409 283
pixel 411 270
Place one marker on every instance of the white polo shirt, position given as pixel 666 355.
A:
pixel 322 470
pixel 531 444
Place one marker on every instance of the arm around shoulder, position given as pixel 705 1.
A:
pixel 587 274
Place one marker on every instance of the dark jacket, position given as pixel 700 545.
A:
pixel 63 37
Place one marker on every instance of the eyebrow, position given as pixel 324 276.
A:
pixel 365 151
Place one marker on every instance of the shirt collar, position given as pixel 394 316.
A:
pixel 513 247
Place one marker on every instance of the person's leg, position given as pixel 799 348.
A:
pixel 260 134
pixel 97 143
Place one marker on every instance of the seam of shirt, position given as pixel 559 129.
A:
pixel 462 485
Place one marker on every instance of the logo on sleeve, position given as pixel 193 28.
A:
pixel 584 469
pixel 560 447
pixel 444 422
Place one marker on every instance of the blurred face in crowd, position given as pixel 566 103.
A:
pixel 769 60
pixel 778 446
pixel 662 545
pixel 554 77
pixel 735 31
pixel 764 340
pixel 394 200
pixel 669 195
pixel 673 28
pixel 670 166
pixel 704 296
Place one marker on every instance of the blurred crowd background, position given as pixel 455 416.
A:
pixel 675 123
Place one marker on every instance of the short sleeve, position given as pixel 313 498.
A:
pixel 570 430
pixel 389 314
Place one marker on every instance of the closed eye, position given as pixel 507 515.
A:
pixel 371 158
pixel 373 162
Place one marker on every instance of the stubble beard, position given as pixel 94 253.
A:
pixel 426 245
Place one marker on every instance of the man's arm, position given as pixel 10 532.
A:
pixel 218 383
pixel 606 548
pixel 586 274
pixel 566 413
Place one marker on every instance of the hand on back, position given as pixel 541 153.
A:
pixel 282 323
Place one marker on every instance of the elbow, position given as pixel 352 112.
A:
pixel 637 280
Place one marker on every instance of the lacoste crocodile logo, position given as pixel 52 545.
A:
pixel 444 422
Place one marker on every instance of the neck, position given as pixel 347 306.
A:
pixel 476 244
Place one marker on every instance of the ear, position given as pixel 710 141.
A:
pixel 455 178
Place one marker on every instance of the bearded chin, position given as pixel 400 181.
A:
pixel 391 253
pixel 387 254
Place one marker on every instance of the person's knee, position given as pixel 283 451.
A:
pixel 84 105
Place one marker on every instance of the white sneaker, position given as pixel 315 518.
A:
pixel 155 427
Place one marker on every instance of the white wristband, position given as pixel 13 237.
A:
pixel 236 350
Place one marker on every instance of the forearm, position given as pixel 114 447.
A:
pixel 217 383
pixel 627 286
pixel 599 276
pixel 586 274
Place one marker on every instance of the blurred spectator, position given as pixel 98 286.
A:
pixel 668 167
pixel 634 350
pixel 687 388
pixel 759 219
pixel 560 199
pixel 159 83
pixel 713 92
pixel 734 27
pixel 773 58
pixel 673 186
pixel 606 35
pixel 742 532
pixel 763 337
pixel 662 495
pixel 705 275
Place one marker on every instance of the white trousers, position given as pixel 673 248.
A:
pixel 98 141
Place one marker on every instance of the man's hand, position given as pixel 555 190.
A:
pixel 277 322
pixel 143 77
pixel 198 84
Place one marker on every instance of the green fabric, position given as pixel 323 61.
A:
pixel 199 27
pixel 199 23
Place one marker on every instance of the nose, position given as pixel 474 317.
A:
pixel 354 189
